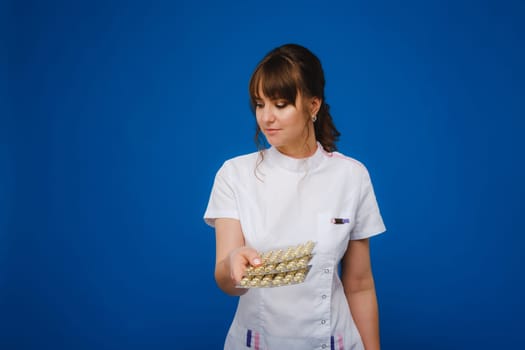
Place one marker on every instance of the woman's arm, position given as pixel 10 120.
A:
pixel 358 282
pixel 232 257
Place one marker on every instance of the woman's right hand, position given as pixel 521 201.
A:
pixel 239 259
pixel 232 256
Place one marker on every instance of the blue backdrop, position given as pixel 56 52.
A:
pixel 117 114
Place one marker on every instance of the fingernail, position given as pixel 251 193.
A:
pixel 256 261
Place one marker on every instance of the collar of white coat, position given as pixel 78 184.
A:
pixel 296 164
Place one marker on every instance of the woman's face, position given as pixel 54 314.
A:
pixel 287 127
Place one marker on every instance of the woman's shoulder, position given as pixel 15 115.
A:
pixel 340 159
pixel 240 162
pixel 344 166
pixel 242 159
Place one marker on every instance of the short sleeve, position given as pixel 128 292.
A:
pixel 222 202
pixel 368 220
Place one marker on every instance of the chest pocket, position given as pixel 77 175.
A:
pixel 333 233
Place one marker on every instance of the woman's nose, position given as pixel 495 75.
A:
pixel 267 114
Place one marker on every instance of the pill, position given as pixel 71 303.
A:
pixel 291 265
pixel 269 268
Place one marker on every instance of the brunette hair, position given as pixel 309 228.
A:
pixel 285 71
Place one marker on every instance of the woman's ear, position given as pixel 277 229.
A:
pixel 315 105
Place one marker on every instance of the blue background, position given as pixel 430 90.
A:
pixel 116 116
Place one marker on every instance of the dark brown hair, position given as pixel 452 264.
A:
pixel 285 71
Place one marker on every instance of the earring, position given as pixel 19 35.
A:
pixel 314 118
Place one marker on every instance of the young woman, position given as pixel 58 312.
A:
pixel 298 189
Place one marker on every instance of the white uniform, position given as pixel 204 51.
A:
pixel 283 202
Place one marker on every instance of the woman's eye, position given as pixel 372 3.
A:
pixel 259 105
pixel 281 104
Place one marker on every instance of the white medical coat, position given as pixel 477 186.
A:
pixel 280 202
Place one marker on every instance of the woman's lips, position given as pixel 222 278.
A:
pixel 271 131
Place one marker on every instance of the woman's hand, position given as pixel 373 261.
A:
pixel 232 256
pixel 358 283
pixel 239 259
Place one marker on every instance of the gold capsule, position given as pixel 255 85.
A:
pixel 301 262
pixel 265 256
pixel 276 256
pixel 255 281
pixel 288 277
pixel 291 265
pixel 269 268
pixel 277 281
pixel 298 277
pixel 281 267
pixel 264 283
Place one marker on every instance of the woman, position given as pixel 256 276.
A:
pixel 297 190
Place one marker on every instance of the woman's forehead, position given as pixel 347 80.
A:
pixel 273 90
pixel 276 95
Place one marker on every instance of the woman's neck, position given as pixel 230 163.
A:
pixel 305 150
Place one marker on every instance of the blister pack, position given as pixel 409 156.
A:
pixel 280 267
